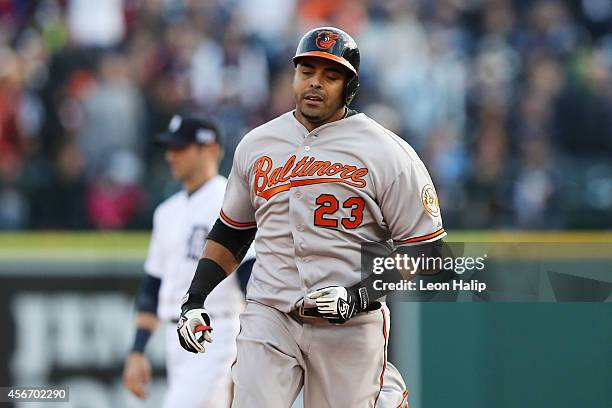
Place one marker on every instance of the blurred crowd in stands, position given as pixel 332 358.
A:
pixel 508 102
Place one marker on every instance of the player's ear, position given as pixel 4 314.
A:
pixel 221 153
pixel 215 149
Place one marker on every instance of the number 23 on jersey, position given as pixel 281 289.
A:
pixel 328 212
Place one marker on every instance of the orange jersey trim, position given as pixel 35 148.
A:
pixel 404 403
pixel 384 367
pixel 423 237
pixel 236 224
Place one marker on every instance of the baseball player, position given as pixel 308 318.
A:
pixel 180 226
pixel 309 187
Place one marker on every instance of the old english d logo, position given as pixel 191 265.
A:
pixel 326 39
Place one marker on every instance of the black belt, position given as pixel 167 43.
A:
pixel 302 314
pixel 306 313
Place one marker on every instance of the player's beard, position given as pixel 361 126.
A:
pixel 321 116
pixel 311 118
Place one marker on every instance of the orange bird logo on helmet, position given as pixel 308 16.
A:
pixel 326 39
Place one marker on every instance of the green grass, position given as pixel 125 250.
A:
pixel 490 236
pixel 74 246
pixel 94 245
pixel 60 239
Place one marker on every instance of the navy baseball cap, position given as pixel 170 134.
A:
pixel 184 130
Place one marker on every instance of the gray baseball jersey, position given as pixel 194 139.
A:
pixel 315 196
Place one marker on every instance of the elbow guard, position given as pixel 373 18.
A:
pixel 237 241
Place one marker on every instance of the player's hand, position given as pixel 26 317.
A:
pixel 194 329
pixel 336 303
pixel 137 374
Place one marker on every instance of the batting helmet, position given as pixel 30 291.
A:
pixel 335 45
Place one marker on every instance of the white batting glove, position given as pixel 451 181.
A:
pixel 194 329
pixel 336 303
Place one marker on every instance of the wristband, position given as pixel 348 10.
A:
pixel 141 340
pixel 365 291
pixel 148 295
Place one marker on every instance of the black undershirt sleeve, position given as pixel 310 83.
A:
pixel 148 294
pixel 236 240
